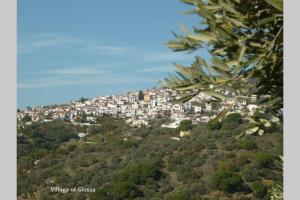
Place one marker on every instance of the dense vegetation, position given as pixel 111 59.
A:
pixel 121 162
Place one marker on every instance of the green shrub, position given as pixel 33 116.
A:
pixel 250 174
pixel 138 173
pixel 175 161
pixel 26 162
pixel 231 123
pixel 124 190
pixel 104 193
pixel 47 163
pixel 71 147
pixel 248 144
pixel 198 162
pixel 198 187
pixel 228 181
pixel 242 159
pixel 213 125
pixel 185 125
pixel 88 148
pixel 167 188
pixel 184 175
pixel 197 146
pixel 234 118
pixel 179 195
pixel 264 160
pixel 270 174
pixel 197 174
pixel 87 161
pixel 94 130
pixel 229 147
pixel 129 144
pixel 259 189
pixel 230 155
pixel 211 145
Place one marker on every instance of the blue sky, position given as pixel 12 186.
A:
pixel 69 49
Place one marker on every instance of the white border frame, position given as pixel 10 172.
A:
pixel 8 99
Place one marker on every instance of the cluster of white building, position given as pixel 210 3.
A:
pixel 139 107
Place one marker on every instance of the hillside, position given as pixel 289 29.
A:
pixel 122 162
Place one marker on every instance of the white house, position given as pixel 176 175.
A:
pixel 184 133
pixel 175 138
pixel 252 108
pixel 253 98
pixel 135 106
pixel 208 107
pixel 172 125
pixel 204 119
pixel 81 135
pixel 90 118
pixel 139 122
pixel 197 109
pixel 176 108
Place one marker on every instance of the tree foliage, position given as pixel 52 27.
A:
pixel 248 144
pixel 228 181
pixel 245 42
pixel 213 125
pixel 26 118
pixel 259 189
pixel 141 95
pixel 232 118
pixel 124 190
pixel 264 160
pixel 185 125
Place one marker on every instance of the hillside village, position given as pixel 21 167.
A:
pixel 138 107
pixel 187 158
